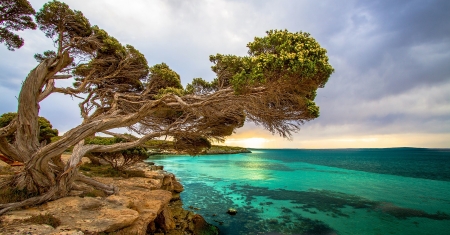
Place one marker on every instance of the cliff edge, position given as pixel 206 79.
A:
pixel 149 204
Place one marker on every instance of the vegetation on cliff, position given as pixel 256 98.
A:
pixel 274 86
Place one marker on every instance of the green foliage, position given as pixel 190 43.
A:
pixel 15 16
pixel 119 160
pixel 47 54
pixel 163 77
pixel 200 86
pixel 61 23
pixel 124 66
pixel 10 195
pixel 46 133
pixel 101 140
pixel 170 90
pixel 45 130
pixel 158 144
pixel 293 64
pixel 293 54
pixel 90 169
pixel 95 193
pixel 224 148
pixel 192 145
pixel 281 55
pixel 44 219
pixel 226 67
pixel 114 140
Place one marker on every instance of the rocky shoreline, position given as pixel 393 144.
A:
pixel 144 205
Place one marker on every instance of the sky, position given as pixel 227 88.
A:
pixel 390 88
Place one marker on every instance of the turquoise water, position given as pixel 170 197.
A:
pixel 349 191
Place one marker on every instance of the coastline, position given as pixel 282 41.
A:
pixel 149 204
pixel 213 151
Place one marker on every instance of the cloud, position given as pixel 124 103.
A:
pixel 391 77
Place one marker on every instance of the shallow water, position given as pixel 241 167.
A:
pixel 351 191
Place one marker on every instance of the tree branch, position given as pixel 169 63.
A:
pixel 9 129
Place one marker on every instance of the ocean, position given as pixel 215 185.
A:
pixel 331 191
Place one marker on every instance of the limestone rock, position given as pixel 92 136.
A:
pixel 143 205
pixel 85 214
pixel 201 227
pixel 165 220
pixel 149 204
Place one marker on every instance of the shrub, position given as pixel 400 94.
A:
pixel 10 195
pixel 107 171
pixel 44 219
pixel 119 160
pixel 46 133
pixel 95 193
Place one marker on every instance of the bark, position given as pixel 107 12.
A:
pixel 28 109
pixel 52 183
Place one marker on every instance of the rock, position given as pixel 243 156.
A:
pixel 177 187
pixel 28 229
pixel 165 220
pixel 231 211
pixel 143 205
pixel 87 214
pixel 201 227
pixel 149 204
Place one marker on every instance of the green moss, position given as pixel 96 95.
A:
pixel 44 219
pixel 9 195
pixel 90 169
pixel 95 193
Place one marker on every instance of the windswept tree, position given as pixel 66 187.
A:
pixel 274 86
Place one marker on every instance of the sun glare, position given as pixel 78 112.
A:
pixel 248 142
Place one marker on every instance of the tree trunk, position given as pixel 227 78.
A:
pixel 52 182
pixel 27 131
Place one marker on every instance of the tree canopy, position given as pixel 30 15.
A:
pixel 273 86
pixel 15 16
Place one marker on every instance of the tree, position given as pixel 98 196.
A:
pixel 15 16
pixel 45 129
pixel 119 160
pixel 274 86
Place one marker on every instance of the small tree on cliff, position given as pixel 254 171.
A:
pixel 274 86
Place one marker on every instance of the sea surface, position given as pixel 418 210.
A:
pixel 333 191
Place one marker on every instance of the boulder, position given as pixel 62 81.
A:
pixel 149 204
pixel 91 215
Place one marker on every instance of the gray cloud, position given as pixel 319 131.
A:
pixel 391 57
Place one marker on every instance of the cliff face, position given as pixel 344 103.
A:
pixel 144 205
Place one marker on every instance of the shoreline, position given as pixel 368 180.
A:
pixel 144 205
pixel 236 150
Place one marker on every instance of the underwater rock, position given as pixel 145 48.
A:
pixel 232 211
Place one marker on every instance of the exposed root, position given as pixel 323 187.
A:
pixel 56 193
pixel 50 195
pixel 109 189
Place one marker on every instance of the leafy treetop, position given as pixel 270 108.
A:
pixel 15 16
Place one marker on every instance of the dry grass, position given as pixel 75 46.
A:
pixel 95 193
pixel 90 169
pixel 44 219
pixel 9 195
